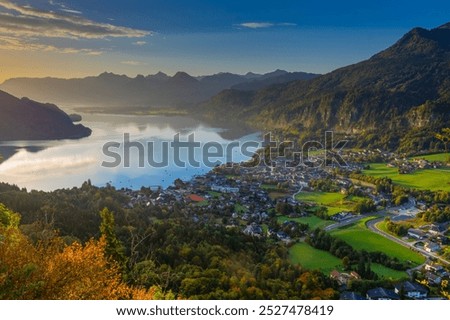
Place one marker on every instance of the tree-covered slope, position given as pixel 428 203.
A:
pixel 24 119
pixel 403 91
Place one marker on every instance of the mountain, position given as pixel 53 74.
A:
pixel 397 98
pixel 276 77
pixel 24 119
pixel 159 90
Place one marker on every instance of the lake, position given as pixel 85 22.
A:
pixel 51 165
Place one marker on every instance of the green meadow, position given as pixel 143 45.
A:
pixel 312 221
pixel 423 179
pixel 333 201
pixel 361 238
pixel 442 157
pixel 315 259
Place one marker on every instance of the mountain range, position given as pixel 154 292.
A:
pixel 24 119
pixel 397 98
pixel 159 90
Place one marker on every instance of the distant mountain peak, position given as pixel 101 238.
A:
pixel 275 73
pixel 444 26
pixel 110 76
pixel 184 77
pixel 252 75
pixel 421 41
pixel 158 76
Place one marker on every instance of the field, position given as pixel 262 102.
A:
pixel 434 157
pixel 274 195
pixel 240 208
pixel 387 273
pixel 333 201
pixel 359 237
pixel 312 221
pixel 425 179
pixel 214 194
pixel 269 187
pixel 311 258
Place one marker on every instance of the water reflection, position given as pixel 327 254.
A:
pixel 49 165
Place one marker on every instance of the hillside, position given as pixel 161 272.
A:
pixel 397 98
pixel 159 90
pixel 24 119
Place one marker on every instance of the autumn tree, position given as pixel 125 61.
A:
pixel 56 271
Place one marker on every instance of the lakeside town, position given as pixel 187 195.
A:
pixel 251 198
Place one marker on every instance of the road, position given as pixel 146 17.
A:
pixel 344 223
pixel 371 225
pixel 295 194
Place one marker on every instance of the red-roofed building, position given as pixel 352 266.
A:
pixel 196 198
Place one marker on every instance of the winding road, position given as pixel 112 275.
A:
pixel 372 226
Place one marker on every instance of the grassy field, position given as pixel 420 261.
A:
pixel 387 273
pixel 203 203
pixel 240 208
pixel 434 157
pixel 361 238
pixel 311 258
pixel 269 187
pixel 274 195
pixel 425 179
pixel 214 194
pixel 333 201
pixel 312 221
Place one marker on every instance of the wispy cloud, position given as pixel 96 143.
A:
pixel 71 11
pixel 14 44
pixel 133 63
pixel 256 25
pixel 262 25
pixel 140 43
pixel 25 24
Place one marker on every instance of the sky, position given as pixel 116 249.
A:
pixel 62 38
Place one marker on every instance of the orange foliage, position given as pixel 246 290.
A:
pixel 56 271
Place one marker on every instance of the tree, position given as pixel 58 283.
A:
pixel 114 248
pixel 8 218
pixel 444 136
pixel 346 262
pixel 53 271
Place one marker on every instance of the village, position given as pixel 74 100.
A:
pixel 248 198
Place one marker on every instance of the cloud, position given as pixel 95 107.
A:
pixel 287 24
pixel 133 63
pixel 256 25
pixel 262 25
pixel 26 165
pixel 25 25
pixel 140 43
pixel 64 8
pixel 71 11
pixel 14 44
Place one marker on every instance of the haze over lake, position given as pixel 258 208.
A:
pixel 50 165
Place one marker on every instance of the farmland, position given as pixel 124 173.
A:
pixel 333 201
pixel 312 221
pixel 361 238
pixel 311 258
pixel 422 179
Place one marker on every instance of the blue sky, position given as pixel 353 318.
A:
pixel 85 37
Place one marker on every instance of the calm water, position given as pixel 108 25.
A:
pixel 45 165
